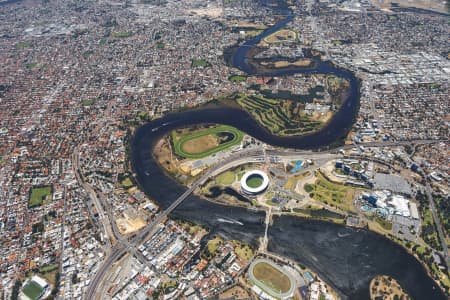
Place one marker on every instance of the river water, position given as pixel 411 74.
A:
pixel 347 258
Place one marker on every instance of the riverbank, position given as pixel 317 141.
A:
pixel 346 257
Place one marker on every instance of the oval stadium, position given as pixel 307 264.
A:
pixel 254 182
pixel 270 280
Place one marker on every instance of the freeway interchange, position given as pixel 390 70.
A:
pixel 129 245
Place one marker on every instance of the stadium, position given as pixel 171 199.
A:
pixel 271 280
pixel 254 182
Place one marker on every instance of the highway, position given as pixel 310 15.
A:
pixel 124 246
pixel 105 220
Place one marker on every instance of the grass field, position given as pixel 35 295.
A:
pixel 214 244
pixel 304 62
pixel 121 34
pixel 199 144
pixel 279 116
pixel 226 178
pixel 39 194
pixel 254 181
pixel 31 66
pixel 290 184
pixel 126 183
pixel 49 268
pixel 200 63
pixel 243 251
pixel 23 45
pixel 87 102
pixel 160 45
pixel 271 277
pixel 429 232
pixel 237 78
pixel 332 193
pixel 320 213
pixel 281 36
pixel 383 223
pixel 32 290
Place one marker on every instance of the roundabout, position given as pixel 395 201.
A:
pixel 254 182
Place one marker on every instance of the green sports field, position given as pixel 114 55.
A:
pixel 254 181
pixel 32 290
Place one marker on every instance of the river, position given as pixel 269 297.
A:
pixel 346 258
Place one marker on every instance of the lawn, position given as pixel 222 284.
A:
pixel 243 251
pixel 200 63
pixel 383 223
pixel 87 102
pixel 271 277
pixel 160 45
pixel 23 45
pixel 126 183
pixel 429 232
pixel 226 178
pixel 292 181
pixel 320 213
pixel 49 268
pixel 237 78
pixel 39 194
pixel 31 66
pixel 214 244
pixel 198 144
pixel 254 181
pixel 332 193
pixel 281 36
pixel 32 290
pixel 121 34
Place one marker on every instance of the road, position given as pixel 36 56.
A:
pixel 124 246
pixel 103 218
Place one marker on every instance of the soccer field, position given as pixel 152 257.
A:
pixel 32 290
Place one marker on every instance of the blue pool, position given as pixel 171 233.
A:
pixel 297 166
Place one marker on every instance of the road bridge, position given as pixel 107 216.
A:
pixel 246 156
